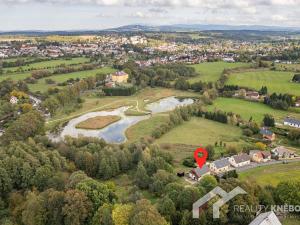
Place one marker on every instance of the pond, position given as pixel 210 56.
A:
pixel 115 132
pixel 168 104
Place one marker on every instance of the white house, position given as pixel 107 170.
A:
pixel 220 166
pixel 292 122
pixel 268 218
pixel 240 160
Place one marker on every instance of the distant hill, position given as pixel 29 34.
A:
pixel 198 27
pixel 163 28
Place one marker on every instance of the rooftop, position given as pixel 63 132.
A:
pixel 221 163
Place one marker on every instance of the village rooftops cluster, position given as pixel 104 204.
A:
pixel 224 165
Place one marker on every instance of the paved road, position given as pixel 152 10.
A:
pixel 272 162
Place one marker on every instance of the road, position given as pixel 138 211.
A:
pixel 273 162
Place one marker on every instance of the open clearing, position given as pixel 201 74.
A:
pixel 247 109
pixel 15 76
pixel 145 127
pixel 42 86
pixel 211 71
pixel 49 64
pixel 276 81
pixel 98 122
pixel 273 174
pixel 199 131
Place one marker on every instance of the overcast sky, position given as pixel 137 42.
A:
pixel 99 14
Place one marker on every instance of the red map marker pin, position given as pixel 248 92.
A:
pixel 200 159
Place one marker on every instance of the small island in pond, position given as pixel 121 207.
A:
pixel 98 122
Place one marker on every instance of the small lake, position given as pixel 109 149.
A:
pixel 168 104
pixel 115 132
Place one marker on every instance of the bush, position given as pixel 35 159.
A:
pixel 189 162
pixel 247 132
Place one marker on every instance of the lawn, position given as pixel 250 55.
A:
pixel 211 71
pixel 273 174
pixel 145 127
pixel 50 64
pixel 247 109
pixel 199 131
pixel 98 122
pixel 42 86
pixel 276 81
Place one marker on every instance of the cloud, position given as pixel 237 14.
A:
pixel 279 18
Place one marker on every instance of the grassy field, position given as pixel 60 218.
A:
pixel 291 221
pixel 276 81
pixel 98 122
pixel 273 174
pixel 15 76
pixel 49 64
pixel 211 71
pixel 247 109
pixel 42 86
pixel 199 131
pixel 183 140
pixel 145 127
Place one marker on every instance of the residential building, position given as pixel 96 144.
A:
pixel 119 77
pixel 266 155
pixel 259 156
pixel 282 153
pixel 291 122
pixel 220 166
pixel 254 95
pixel 239 160
pixel 256 156
pixel 268 218
pixel 267 134
pixel 197 173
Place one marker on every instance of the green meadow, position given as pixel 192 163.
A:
pixel 199 131
pixel 42 86
pixel 276 81
pixel 211 71
pixel 249 109
pixel 273 174
pixel 49 64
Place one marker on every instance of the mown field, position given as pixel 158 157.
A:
pixel 273 174
pixel 247 109
pixel 199 131
pixel 49 64
pixel 211 71
pixel 276 81
pixel 42 86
